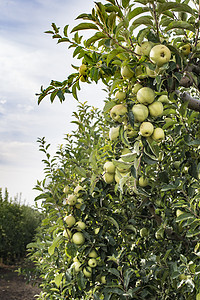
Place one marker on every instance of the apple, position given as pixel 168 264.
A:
pixel 67 233
pixel 78 188
pixel 78 238
pixel 93 254
pixel 143 181
pixel 177 164
pixel 156 109
pixel 87 271
pixel 143 232
pixel 79 203
pixel 120 95
pixel 122 169
pixel 71 200
pixel 164 99
pixel 66 189
pixel 80 225
pixel 92 263
pixel 117 112
pixel 160 55
pixel 82 70
pixel 136 87
pixel 143 49
pixel 108 177
pixel 113 133
pixel 186 49
pixel 158 134
pixel 126 72
pixel 77 266
pixel 140 112
pixel 103 279
pixel 70 220
pixel 130 131
pixel 109 167
pixel 146 129
pixel 145 95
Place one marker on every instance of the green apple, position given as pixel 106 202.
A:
pixel 92 263
pixel 114 133
pixel 137 86
pixel 87 271
pixel 160 55
pixel 78 238
pixel 80 225
pixel 82 70
pixel 123 168
pixel 118 112
pixel 146 129
pixel 70 220
pixel 126 72
pixel 158 134
pixel 120 95
pixel 145 95
pixel 130 131
pixel 66 189
pixel 163 99
pixel 93 254
pixel 156 109
pixel 143 49
pixel 103 279
pixel 78 188
pixel 71 200
pixel 108 177
pixel 79 203
pixel 177 164
pixel 67 233
pixel 143 232
pixel 140 112
pixel 109 167
pixel 77 266
pixel 186 49
pixel 143 181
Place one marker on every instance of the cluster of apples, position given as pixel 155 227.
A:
pixel 147 104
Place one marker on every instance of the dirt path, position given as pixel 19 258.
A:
pixel 13 286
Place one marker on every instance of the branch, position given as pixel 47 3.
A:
pixel 193 103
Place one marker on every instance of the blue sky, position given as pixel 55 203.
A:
pixel 28 59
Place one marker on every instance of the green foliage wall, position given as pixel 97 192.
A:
pixel 18 225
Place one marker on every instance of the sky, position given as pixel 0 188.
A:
pixel 30 58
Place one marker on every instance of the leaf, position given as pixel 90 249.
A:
pixel 114 272
pixel 184 216
pixel 80 171
pixel 122 164
pixel 113 221
pixel 65 30
pixel 127 276
pixel 125 3
pixel 174 6
pixel 94 38
pixel 58 279
pixel 84 26
pixel 181 25
pixel 113 54
pixel 135 12
pixel 145 20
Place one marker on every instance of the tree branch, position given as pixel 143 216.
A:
pixel 193 103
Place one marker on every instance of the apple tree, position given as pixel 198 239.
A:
pixel 121 195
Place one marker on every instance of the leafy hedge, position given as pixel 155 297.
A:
pixel 18 223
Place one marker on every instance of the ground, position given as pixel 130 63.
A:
pixel 14 286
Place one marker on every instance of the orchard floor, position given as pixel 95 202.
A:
pixel 14 286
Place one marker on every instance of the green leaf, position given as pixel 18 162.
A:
pixel 145 20
pixel 125 3
pixel 84 26
pixel 184 216
pixel 65 30
pixel 80 171
pixel 198 296
pixel 113 221
pixel 113 54
pixel 58 279
pixel 114 272
pixel 127 276
pixel 174 6
pixel 135 12
pixel 94 38
pixel 181 25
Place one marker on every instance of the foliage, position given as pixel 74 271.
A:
pixel 146 236
pixel 18 225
